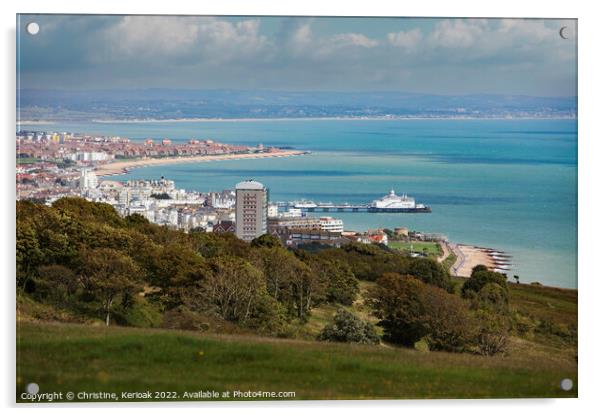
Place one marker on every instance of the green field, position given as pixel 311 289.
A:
pixel 72 357
pixel 431 248
pixel 69 357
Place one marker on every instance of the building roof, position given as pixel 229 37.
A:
pixel 250 185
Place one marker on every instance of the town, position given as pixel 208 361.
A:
pixel 53 165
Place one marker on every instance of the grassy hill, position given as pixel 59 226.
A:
pixel 68 357
pixel 73 357
pixel 79 263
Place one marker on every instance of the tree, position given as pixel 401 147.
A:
pixel 517 278
pixel 491 297
pixel 289 280
pixel 29 253
pixel 106 274
pixel 234 290
pixel 266 240
pixel 89 211
pixel 410 310
pixel 480 277
pixel 349 328
pixel 339 282
pixel 479 268
pixel 56 284
pixel 162 195
pixel 431 272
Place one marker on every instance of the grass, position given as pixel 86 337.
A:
pixel 449 261
pixel 90 357
pixel 431 248
pixel 72 357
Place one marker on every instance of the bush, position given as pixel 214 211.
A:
pixel 183 318
pixel 522 325
pixel 410 310
pixel 492 297
pixel 491 337
pixel 141 313
pixel 480 278
pixel 431 272
pixel 349 328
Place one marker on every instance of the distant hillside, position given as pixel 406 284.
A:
pixel 61 105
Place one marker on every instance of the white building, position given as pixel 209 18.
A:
pixel 272 210
pixel 251 210
pixel 87 180
pixel 334 225
pixel 291 213
pixel 225 199
pixel 90 156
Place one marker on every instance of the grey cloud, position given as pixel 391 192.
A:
pixel 452 56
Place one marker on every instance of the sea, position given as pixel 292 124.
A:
pixel 508 184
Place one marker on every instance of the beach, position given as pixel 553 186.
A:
pixel 469 257
pixel 118 168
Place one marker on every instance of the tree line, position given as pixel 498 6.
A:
pixel 83 258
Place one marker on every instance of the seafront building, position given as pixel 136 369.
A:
pixel 251 210
pixel 334 225
pixel 87 180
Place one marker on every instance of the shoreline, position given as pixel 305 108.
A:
pixel 120 168
pixel 264 119
pixel 469 256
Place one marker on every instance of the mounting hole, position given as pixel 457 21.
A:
pixel 32 28
pixel 32 388
pixel 566 384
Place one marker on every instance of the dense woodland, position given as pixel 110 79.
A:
pixel 85 263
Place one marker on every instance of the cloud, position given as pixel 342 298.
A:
pixel 159 37
pixel 354 39
pixel 443 55
pixel 458 33
pixel 408 40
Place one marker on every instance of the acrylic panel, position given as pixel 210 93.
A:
pixel 215 208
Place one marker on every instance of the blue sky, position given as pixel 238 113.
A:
pixel 427 55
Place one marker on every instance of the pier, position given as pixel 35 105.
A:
pixel 328 207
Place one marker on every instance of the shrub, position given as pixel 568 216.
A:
pixel 491 337
pixel 523 325
pixel 349 328
pixel 410 310
pixel 431 272
pixel 492 297
pixel 140 313
pixel 480 278
pixel 183 318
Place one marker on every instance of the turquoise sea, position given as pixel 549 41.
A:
pixel 507 184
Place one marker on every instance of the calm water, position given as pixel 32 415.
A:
pixel 508 184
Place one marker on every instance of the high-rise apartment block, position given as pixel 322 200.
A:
pixel 251 210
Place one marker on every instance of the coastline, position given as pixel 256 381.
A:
pixel 119 168
pixel 469 256
pixel 327 118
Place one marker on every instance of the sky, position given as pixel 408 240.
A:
pixel 422 55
